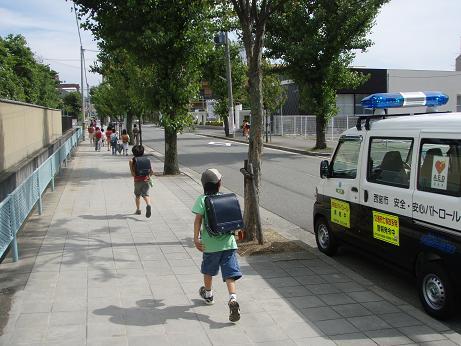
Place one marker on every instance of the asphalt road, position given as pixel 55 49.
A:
pixel 288 186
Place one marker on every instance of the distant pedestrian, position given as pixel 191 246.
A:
pixel 103 137
pixel 108 133
pixel 136 134
pixel 246 129
pixel 125 141
pixel 113 142
pixel 91 131
pixel 97 139
pixel 219 252
pixel 141 171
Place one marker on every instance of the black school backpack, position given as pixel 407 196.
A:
pixel 223 213
pixel 141 166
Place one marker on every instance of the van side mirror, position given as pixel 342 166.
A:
pixel 324 169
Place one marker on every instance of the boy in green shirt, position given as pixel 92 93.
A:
pixel 218 251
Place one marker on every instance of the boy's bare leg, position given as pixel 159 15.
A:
pixel 207 281
pixel 138 202
pixel 146 199
pixel 230 285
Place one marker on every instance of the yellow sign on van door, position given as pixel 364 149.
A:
pixel 386 227
pixel 340 213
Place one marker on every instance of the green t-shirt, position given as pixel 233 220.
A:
pixel 215 243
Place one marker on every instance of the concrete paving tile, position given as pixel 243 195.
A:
pixel 67 318
pixel 348 286
pixel 283 282
pixel 353 339
pixel 262 334
pixel 112 341
pixel 388 337
pixel 400 319
pixel 232 335
pixel 323 289
pixel 351 310
pixel 320 313
pixel 105 330
pixel 66 332
pixel 316 341
pixel 421 334
pixel 301 330
pixel 160 340
pixel 336 299
pixel 146 330
pixel 299 271
pixel 364 296
pixel 381 307
pixel 366 323
pixel 306 302
pixel 258 319
pixel 70 304
pixel 196 338
pixel 288 342
pixel 294 291
pixel 336 326
pixel 439 343
pixel 24 337
pixel 310 280
pixel 32 320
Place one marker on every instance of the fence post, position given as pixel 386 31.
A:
pixel 281 122
pixel 52 172
pixel 14 242
pixel 347 122
pixel 40 207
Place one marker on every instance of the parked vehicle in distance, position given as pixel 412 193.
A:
pixel 393 188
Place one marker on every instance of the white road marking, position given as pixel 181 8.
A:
pixel 220 144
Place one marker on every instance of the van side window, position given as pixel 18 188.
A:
pixel 345 160
pixel 439 166
pixel 389 161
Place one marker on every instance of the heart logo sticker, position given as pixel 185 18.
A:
pixel 440 166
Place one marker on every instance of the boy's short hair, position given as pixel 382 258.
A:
pixel 137 150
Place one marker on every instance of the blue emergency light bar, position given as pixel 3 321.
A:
pixel 404 99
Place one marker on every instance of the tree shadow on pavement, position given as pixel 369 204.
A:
pixel 150 312
pixel 111 217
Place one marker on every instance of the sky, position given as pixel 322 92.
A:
pixel 409 34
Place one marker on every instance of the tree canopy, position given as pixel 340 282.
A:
pixel 316 40
pixel 169 37
pixel 23 78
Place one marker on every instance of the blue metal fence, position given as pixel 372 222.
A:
pixel 15 208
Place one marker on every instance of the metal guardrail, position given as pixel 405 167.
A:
pixel 16 207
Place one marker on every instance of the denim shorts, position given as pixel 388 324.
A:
pixel 141 188
pixel 226 260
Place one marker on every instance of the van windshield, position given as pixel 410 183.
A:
pixel 345 160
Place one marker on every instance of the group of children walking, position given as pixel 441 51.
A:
pixel 111 138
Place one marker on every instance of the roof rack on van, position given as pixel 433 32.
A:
pixel 383 101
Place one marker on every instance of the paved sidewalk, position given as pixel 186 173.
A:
pixel 296 144
pixel 95 274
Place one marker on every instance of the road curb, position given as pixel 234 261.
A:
pixel 271 146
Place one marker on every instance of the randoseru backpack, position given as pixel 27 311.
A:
pixel 142 166
pixel 223 213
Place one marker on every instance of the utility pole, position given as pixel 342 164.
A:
pixel 229 89
pixel 81 71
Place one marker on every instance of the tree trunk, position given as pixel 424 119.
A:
pixel 226 126
pixel 171 166
pixel 320 142
pixel 255 147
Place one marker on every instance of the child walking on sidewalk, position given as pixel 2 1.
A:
pixel 219 252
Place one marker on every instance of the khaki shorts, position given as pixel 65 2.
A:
pixel 141 188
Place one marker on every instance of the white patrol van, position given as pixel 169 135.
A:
pixel 393 188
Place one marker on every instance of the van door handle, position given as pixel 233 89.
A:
pixel 365 195
pixel 354 189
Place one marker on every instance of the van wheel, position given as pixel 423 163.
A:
pixel 436 291
pixel 324 237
